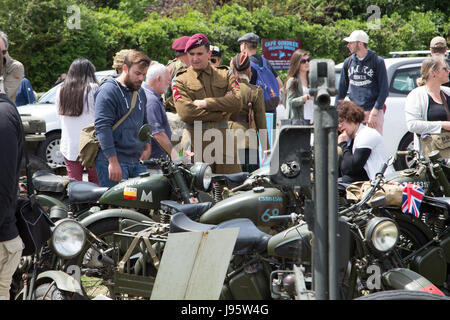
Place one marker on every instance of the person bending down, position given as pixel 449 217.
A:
pixel 363 148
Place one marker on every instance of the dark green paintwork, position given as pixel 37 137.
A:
pixel 157 184
pixel 256 206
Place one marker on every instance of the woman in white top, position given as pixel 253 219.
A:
pixel 363 148
pixel 298 101
pixel 75 106
pixel 425 111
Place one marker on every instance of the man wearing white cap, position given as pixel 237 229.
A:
pixel 438 47
pixel 364 77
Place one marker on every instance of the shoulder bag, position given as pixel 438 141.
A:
pixel 89 145
pixel 441 141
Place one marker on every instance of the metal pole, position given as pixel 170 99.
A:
pixel 332 211
pixel 320 240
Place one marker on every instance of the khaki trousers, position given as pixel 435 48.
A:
pixel 10 253
pixel 216 147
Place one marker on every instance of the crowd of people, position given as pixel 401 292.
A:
pixel 216 103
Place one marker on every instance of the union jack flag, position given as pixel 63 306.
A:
pixel 411 199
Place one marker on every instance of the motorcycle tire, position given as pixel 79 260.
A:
pixel 49 291
pixel 415 238
pixel 402 295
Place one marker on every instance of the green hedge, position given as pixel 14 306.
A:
pixel 40 38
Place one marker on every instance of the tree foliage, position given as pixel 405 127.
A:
pixel 41 37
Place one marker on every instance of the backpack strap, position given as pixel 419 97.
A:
pixel 133 103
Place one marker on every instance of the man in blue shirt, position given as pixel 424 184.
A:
pixel 157 81
pixel 121 149
pixel 364 76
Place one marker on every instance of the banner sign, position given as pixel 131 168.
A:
pixel 279 51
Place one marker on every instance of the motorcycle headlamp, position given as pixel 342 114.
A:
pixel 68 238
pixel 382 234
pixel 202 174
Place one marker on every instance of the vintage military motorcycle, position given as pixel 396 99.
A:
pixel 39 277
pixel 268 265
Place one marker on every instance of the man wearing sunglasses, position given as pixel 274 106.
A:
pixel 13 70
pixel 216 56
pixel 364 77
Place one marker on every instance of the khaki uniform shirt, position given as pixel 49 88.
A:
pixel 256 97
pixel 174 66
pixel 220 89
pixel 13 74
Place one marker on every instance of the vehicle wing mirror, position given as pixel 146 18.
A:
pixel 145 132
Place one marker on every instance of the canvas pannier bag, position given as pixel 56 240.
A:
pixel 89 145
pixel 440 142
pixel 393 191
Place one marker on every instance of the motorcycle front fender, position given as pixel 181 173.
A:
pixel 114 213
pixel 47 202
pixel 406 279
pixel 62 280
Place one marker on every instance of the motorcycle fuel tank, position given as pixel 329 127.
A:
pixel 143 192
pixel 258 205
pixel 412 176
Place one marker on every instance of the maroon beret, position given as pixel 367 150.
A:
pixel 197 40
pixel 180 43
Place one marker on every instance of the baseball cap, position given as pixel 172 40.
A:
pixel 180 43
pixel 438 42
pixel 197 40
pixel 215 51
pixel 249 37
pixel 358 35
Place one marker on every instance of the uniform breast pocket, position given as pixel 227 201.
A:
pixel 220 87
pixel 196 92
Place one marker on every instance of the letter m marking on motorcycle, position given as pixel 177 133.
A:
pixel 146 197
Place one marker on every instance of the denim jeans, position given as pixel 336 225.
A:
pixel 129 170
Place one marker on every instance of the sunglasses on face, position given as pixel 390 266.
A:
pixel 305 60
pixel 214 60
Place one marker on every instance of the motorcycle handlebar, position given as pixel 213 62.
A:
pixel 150 162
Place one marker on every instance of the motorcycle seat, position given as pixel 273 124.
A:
pixel 192 210
pixel 84 192
pixel 45 181
pixel 232 179
pixel 442 202
pixel 180 222
pixel 250 239
pixel 342 186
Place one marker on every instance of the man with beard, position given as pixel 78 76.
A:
pixel 13 70
pixel 121 149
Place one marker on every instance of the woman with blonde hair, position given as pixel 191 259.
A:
pixel 298 101
pixel 427 106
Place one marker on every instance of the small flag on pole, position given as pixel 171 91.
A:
pixel 412 199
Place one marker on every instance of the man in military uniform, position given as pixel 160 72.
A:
pixel 13 70
pixel 179 63
pixel 118 60
pixel 205 97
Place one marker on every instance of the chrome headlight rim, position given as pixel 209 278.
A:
pixel 202 174
pixel 380 228
pixel 68 238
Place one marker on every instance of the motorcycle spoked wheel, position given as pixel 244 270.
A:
pixel 410 238
pixel 402 295
pixel 93 281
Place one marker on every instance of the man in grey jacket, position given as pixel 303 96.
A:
pixel 121 149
